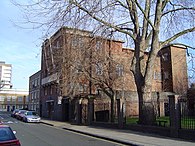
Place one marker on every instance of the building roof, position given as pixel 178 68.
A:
pixel 14 92
pixel 4 64
pixel 35 74
pixel 179 45
pixel 80 32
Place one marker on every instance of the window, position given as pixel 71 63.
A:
pixel 32 96
pixel 35 95
pixel 51 90
pixel 98 45
pixel 14 98
pixel 1 98
pixel 58 44
pixel 45 91
pixel 79 68
pixel 20 98
pixel 35 82
pixel 8 98
pixel 26 98
pixel 119 70
pixel 76 42
pixel 166 75
pixel 157 75
pixel 85 87
pixel 80 88
pixel 73 42
pixel 165 56
pixel 99 69
pixel 6 134
pixel 38 94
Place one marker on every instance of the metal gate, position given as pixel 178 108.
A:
pixel 187 114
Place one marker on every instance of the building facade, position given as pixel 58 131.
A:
pixel 5 75
pixel 174 69
pixel 77 65
pixel 11 99
pixel 34 91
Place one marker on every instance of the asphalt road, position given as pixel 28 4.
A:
pixel 31 134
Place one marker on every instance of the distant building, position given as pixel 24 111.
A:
pixel 5 75
pixel 11 99
pixel 34 91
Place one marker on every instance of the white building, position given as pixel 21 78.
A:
pixel 5 75
pixel 10 98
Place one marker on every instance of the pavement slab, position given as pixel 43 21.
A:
pixel 126 137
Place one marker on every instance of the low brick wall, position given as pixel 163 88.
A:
pixel 164 131
pixel 105 124
pixel 161 131
pixel 187 134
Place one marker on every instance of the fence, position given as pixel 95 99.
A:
pixel 102 111
pixel 187 114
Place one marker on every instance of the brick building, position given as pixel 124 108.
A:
pixel 34 91
pixel 5 75
pixel 76 63
pixel 174 69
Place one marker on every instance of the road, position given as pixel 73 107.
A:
pixel 31 134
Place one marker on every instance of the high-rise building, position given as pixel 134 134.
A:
pixel 10 98
pixel 5 75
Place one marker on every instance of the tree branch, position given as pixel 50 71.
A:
pixel 145 14
pixel 133 15
pixel 101 20
pixel 145 21
pixel 177 35
pixel 164 4
pixel 123 5
pixel 178 9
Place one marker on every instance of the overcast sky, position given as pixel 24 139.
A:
pixel 19 47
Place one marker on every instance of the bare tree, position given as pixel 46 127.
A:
pixel 93 66
pixel 146 25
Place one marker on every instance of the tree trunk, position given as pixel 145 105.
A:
pixel 146 108
pixel 112 110
pixel 143 79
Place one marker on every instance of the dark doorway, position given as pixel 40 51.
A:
pixel 166 108
pixel 50 109
pixel 65 109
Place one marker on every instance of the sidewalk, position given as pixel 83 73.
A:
pixel 122 136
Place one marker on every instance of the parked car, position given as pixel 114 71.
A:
pixel 14 113
pixel 20 114
pixel 31 116
pixel 7 137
